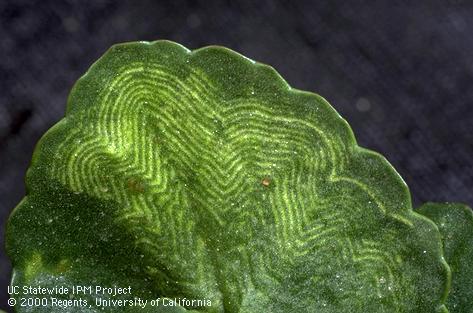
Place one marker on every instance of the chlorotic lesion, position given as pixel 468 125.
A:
pixel 182 160
pixel 33 266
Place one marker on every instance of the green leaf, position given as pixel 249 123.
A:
pixel 455 222
pixel 202 174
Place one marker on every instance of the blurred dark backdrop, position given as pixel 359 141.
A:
pixel 400 72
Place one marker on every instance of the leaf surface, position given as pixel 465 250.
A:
pixel 202 174
pixel 455 222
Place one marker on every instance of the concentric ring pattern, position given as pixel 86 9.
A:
pixel 234 187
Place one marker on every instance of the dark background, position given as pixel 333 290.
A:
pixel 400 72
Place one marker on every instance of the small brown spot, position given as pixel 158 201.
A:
pixel 266 182
pixel 63 266
pixel 136 185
